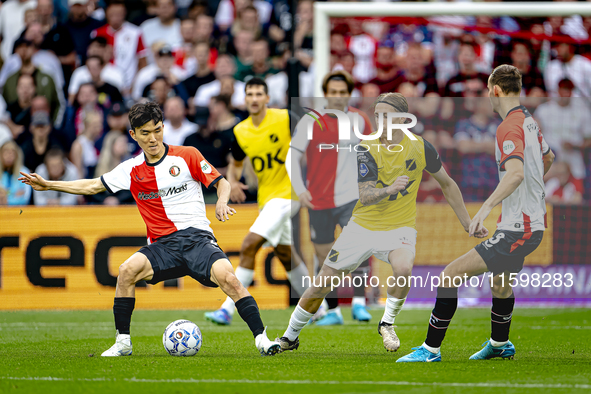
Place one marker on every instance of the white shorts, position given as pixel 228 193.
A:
pixel 356 244
pixel 274 221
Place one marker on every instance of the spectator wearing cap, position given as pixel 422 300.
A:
pixel 416 72
pixel 19 112
pixel 571 66
pixel 261 65
pixel 165 27
pixel 565 124
pixel 204 73
pixel 562 188
pixel 107 93
pixel 163 67
pixel 532 81
pixel 176 125
pixel 225 68
pixel 388 77
pixel 55 167
pixel 126 40
pixel 40 141
pixel 109 73
pixel 12 23
pixel 45 85
pixel 456 86
pixel 57 38
pixel 214 140
pixel 80 25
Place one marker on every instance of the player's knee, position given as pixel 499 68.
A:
pixel 230 282
pixel 248 248
pixel 500 291
pixel 128 271
pixel 402 269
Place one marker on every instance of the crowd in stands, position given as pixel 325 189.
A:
pixel 71 69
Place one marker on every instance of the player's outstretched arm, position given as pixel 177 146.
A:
pixel 222 210
pixel 506 187
pixel 80 186
pixel 454 198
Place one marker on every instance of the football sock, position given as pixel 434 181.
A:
pixel 358 300
pixel 299 319
pixel 500 316
pixel 296 277
pixel 332 299
pixel 249 312
pixel 122 309
pixel 445 307
pixel 359 284
pixel 393 308
pixel 245 276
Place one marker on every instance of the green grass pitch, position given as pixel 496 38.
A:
pixel 59 352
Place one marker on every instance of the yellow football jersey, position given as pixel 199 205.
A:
pixel 384 166
pixel 266 146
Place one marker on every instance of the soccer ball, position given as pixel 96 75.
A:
pixel 182 338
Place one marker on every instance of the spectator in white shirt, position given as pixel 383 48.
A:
pixel 568 65
pixel 225 68
pixel 176 125
pixel 565 124
pixel 165 27
pixel 163 67
pixel 12 23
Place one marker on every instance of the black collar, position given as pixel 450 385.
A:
pixel 159 161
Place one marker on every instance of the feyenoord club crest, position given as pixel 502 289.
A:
pixel 174 171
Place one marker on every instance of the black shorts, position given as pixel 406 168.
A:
pixel 324 221
pixel 185 252
pixel 506 250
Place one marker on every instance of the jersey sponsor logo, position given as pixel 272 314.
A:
pixel 508 147
pixel 205 167
pixel 363 170
pixel 259 163
pixel 174 171
pixel 171 191
pixel 333 255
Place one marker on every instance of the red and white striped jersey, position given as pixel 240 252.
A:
pixel 128 47
pixel 331 172
pixel 520 137
pixel 168 193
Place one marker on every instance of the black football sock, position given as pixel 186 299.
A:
pixel 500 316
pixel 358 284
pixel 332 299
pixel 249 312
pixel 445 307
pixel 122 309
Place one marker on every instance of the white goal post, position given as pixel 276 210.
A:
pixel 323 11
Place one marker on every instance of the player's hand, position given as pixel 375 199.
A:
pixel 237 192
pixel 35 181
pixel 483 233
pixel 305 199
pixel 222 210
pixel 398 185
pixel 477 224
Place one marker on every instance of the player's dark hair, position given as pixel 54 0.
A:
pixel 256 81
pixel 340 75
pixel 507 77
pixel 142 113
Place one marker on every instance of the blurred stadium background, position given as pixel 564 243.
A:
pixel 72 69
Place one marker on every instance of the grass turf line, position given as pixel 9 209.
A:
pixel 344 359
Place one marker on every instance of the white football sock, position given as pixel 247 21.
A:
pixel 393 308
pixel 299 319
pixel 497 344
pixel 433 350
pixel 245 276
pixel 358 301
pixel 336 310
pixel 296 276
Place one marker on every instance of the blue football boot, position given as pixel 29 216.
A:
pixel 506 351
pixel 359 312
pixel 220 317
pixel 420 355
pixel 332 318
